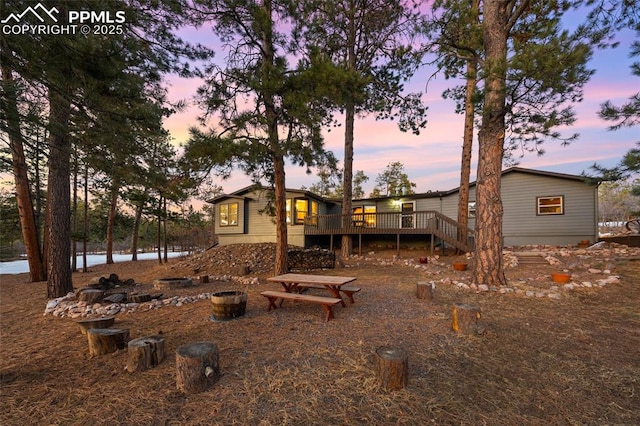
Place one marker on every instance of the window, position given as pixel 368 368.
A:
pixel 299 208
pixel 550 205
pixel 289 211
pixel 364 216
pixel 229 214
pixel 471 209
pixel 302 209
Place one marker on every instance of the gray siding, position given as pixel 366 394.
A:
pixel 259 227
pixel 234 229
pixel 522 225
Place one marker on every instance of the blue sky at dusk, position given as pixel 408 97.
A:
pixel 432 159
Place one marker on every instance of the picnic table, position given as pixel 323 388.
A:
pixel 292 283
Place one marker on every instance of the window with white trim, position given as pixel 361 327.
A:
pixel 550 205
pixel 229 214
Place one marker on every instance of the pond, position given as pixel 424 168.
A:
pixel 22 266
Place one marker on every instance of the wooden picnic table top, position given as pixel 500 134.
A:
pixel 311 279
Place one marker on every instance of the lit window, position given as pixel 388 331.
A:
pixel 289 215
pixel 550 205
pixel 302 210
pixel 229 214
pixel 364 216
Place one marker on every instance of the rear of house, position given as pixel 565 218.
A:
pixel 539 208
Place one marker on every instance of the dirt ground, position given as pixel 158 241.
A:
pixel 574 360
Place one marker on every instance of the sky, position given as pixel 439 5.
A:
pixel 432 159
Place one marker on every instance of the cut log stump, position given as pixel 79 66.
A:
pixel 104 322
pixel 465 319
pixel 139 298
pixel 90 295
pixel 425 290
pixel 392 367
pixel 103 341
pixel 197 367
pixel 144 353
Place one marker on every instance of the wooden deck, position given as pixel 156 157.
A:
pixel 425 223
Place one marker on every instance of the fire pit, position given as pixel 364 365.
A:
pixel 228 305
pixel 171 283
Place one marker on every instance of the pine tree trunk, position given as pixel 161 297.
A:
pixel 347 186
pixel 467 145
pixel 488 267
pixel 136 230
pixel 85 225
pixel 37 270
pixel 111 218
pixel 350 117
pixel 281 262
pixel 58 197
pixel 159 236
pixel 74 214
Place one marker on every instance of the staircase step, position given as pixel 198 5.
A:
pixel 531 258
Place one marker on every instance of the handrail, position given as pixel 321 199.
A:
pixel 427 222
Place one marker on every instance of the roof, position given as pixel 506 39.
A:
pixel 240 194
pixel 436 194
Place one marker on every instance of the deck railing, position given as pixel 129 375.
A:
pixel 419 222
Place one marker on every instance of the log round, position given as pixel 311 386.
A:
pixel 90 295
pixel 197 367
pixel 104 322
pixel 464 319
pixel 392 367
pixel 425 290
pixel 144 353
pixel 138 298
pixel 106 340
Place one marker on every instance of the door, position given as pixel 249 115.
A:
pixel 407 217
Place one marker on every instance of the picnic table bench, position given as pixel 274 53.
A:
pixel 347 290
pixel 327 303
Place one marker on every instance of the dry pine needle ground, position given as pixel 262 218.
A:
pixel 570 361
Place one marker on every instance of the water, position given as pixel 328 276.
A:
pixel 22 266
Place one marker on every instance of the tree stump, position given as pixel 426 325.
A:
pixel 104 322
pixel 392 367
pixel 243 270
pixel 144 353
pixel 464 319
pixel 106 340
pixel 425 290
pixel 139 298
pixel 197 367
pixel 90 295
pixel 204 279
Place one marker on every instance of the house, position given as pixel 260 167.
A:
pixel 539 208
pixel 243 216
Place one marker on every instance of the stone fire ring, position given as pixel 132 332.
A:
pixel 171 283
